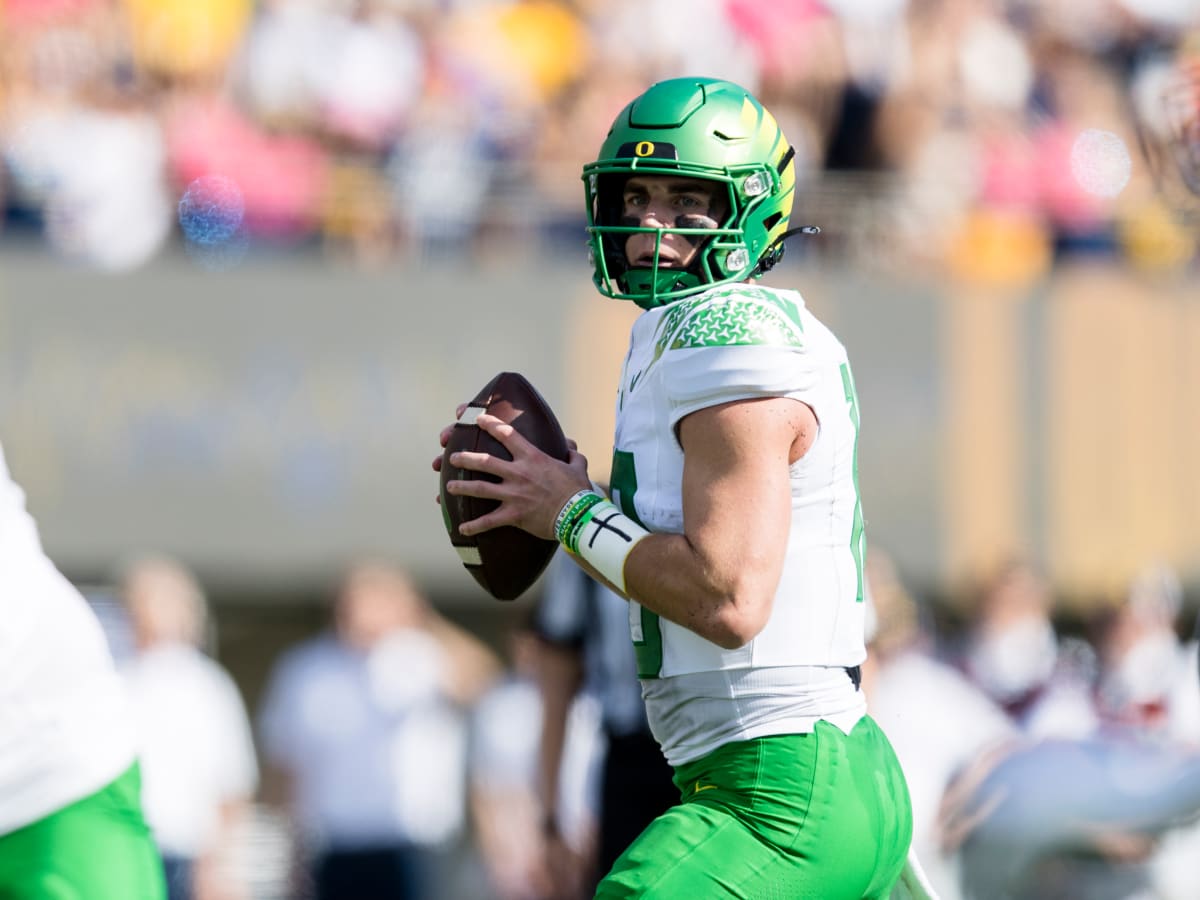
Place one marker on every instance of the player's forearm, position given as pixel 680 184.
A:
pixel 718 579
pixel 664 574
pixel 723 602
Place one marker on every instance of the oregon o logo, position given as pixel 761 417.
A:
pixel 644 148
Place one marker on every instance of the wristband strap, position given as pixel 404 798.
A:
pixel 604 537
pixel 565 512
pixel 572 513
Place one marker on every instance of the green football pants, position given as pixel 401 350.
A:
pixel 98 848
pixel 820 816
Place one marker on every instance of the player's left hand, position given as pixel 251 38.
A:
pixel 533 486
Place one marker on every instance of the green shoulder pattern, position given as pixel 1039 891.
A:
pixel 739 315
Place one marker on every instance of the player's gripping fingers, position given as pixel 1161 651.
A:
pixel 513 440
pixel 484 523
pixel 480 462
pixel 475 487
pixel 487 490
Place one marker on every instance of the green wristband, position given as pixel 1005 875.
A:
pixel 571 513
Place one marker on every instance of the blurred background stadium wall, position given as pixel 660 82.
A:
pixel 273 421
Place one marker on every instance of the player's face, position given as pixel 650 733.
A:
pixel 669 201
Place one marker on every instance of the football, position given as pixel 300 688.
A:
pixel 505 561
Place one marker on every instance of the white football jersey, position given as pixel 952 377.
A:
pixel 65 728
pixel 734 343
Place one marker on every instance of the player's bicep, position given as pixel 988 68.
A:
pixel 736 491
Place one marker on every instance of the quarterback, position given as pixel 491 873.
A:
pixel 71 824
pixel 734 525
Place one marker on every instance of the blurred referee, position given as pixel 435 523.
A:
pixel 585 646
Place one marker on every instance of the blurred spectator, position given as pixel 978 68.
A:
pixel 525 51
pixel 196 745
pixel 279 179
pixel 1074 818
pixel 370 76
pixel 941 725
pixel 67 89
pixel 1105 801
pixel 108 208
pixel 585 649
pixel 1012 645
pixel 441 174
pixel 188 40
pixel 1147 684
pixel 366 728
pixel 1013 653
pixel 998 177
pixel 71 821
pixel 507 728
pixel 1148 691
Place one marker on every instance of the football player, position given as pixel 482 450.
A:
pixel 71 823
pixel 735 525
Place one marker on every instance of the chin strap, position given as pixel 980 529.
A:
pixel 774 253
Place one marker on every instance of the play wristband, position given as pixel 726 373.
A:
pixel 592 527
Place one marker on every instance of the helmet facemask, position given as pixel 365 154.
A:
pixel 722 255
pixel 698 129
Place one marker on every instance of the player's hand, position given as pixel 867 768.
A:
pixel 533 486
pixel 444 438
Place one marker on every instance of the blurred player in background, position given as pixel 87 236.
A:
pixel 71 823
pixel 584 650
pixel 940 724
pixel 735 526
pixel 508 723
pixel 194 736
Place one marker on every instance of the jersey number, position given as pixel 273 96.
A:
pixel 643 624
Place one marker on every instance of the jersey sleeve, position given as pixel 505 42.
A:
pixel 703 377
pixel 735 346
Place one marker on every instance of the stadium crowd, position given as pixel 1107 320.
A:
pixel 983 136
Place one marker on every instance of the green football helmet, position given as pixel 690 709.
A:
pixel 699 128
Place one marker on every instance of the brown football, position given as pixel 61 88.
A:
pixel 506 561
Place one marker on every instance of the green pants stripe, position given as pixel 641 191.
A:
pixel 98 848
pixel 823 815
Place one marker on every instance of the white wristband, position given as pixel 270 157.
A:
pixel 604 539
